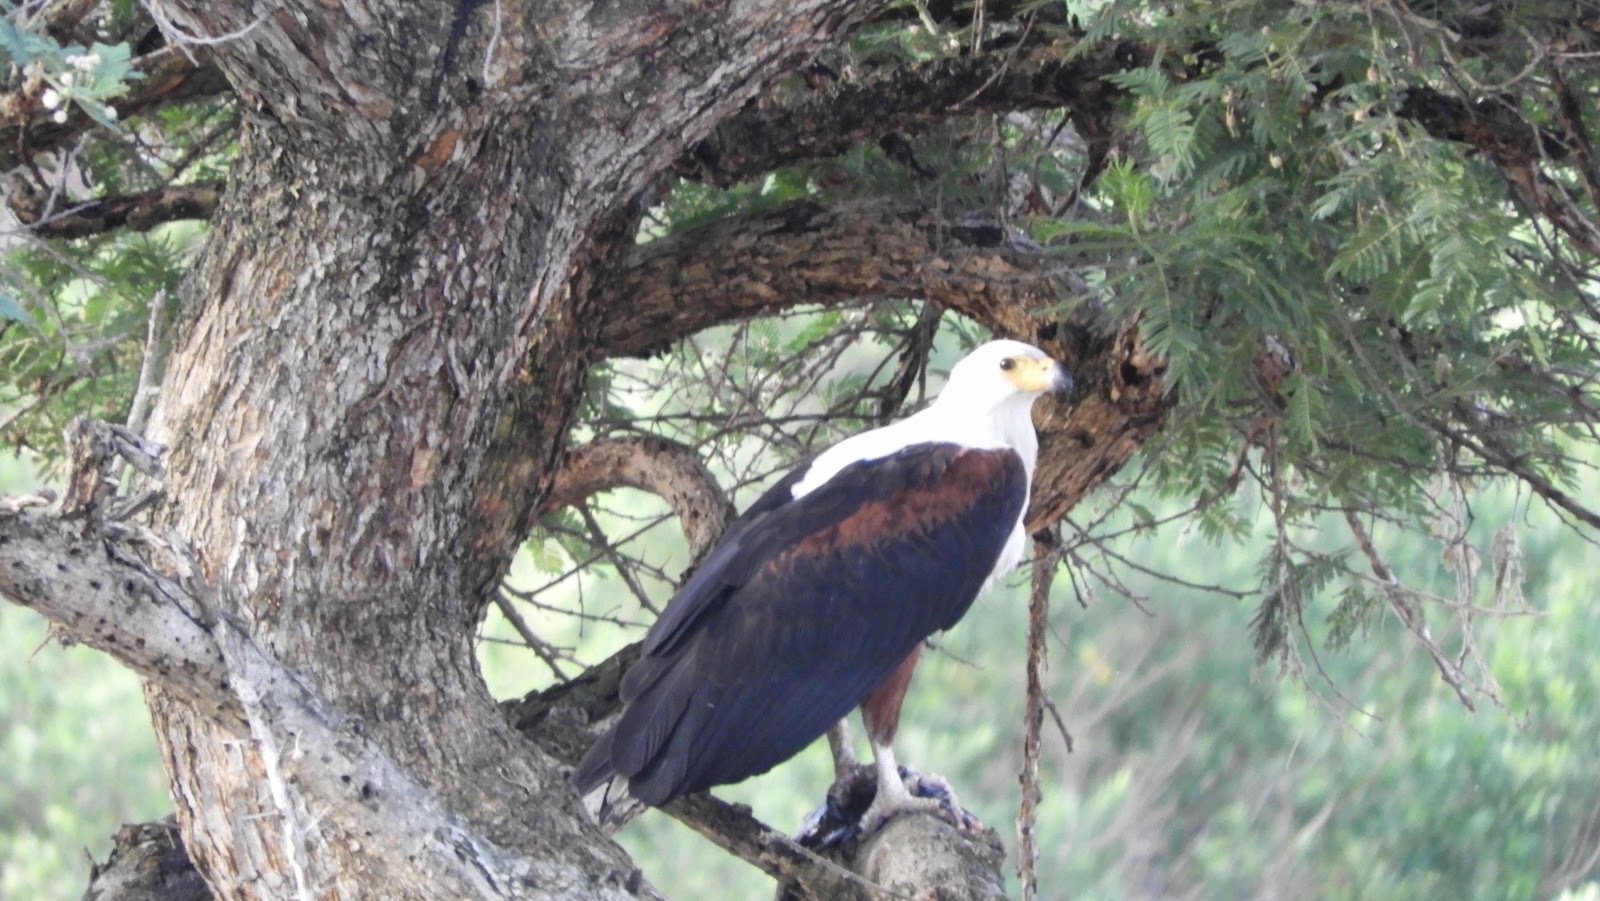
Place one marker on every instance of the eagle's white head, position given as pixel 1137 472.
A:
pixel 1002 373
pixel 987 402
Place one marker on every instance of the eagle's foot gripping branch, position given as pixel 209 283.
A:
pixel 855 808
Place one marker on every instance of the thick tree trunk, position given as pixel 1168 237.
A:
pixel 387 336
pixel 310 410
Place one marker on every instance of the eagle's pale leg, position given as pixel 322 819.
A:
pixel 893 797
pixel 843 750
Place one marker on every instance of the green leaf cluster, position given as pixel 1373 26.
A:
pixel 1276 199
pixel 88 77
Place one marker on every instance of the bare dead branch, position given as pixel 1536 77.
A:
pixel 99 591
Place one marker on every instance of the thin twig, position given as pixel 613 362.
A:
pixel 536 644
pixel 598 537
pixel 145 390
pixel 1410 615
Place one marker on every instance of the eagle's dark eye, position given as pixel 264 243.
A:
pixel 1008 364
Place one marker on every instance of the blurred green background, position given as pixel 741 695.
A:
pixel 1195 773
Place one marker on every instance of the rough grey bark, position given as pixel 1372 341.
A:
pixel 381 351
pixel 147 863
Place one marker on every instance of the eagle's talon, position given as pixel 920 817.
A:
pixel 919 793
pixel 855 809
pixel 885 808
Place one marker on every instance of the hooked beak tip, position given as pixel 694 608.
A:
pixel 1060 380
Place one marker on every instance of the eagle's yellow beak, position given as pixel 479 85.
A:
pixel 1037 375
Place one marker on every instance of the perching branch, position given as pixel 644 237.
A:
pixel 801 874
pixel 917 856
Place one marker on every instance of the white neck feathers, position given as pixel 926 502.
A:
pixel 1008 424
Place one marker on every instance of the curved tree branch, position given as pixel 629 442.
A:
pixel 658 465
pixel 139 212
pixel 811 252
pixel 827 122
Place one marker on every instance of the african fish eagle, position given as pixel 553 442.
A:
pixel 820 596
